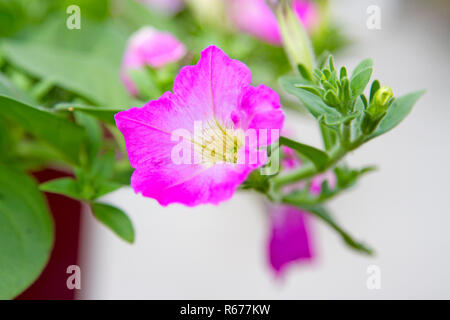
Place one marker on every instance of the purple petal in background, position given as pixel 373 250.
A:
pixel 290 240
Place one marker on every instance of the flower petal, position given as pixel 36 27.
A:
pixel 213 85
pixel 290 240
pixel 260 109
pixel 189 185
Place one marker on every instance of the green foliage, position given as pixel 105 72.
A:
pixel 347 119
pixel 65 136
pixel 345 179
pixel 104 114
pixel 26 232
pixel 85 74
pixel 311 101
pixel 361 77
pixel 325 216
pixel 65 186
pixel 94 134
pixel 115 219
pixel 318 157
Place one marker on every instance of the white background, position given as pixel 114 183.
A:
pixel 402 210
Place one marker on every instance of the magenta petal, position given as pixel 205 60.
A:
pixel 307 12
pixel 213 85
pixel 260 109
pixel 207 94
pixel 290 239
pixel 187 185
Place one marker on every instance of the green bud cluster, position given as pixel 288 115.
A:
pixel 333 87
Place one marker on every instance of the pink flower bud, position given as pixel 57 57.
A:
pixel 149 47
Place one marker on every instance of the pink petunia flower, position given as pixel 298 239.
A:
pixel 290 237
pixel 149 47
pixel 255 17
pixel 215 95
pixel 165 6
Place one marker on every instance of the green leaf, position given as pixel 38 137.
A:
pixel 329 136
pixel 103 166
pixel 304 72
pixel 26 232
pixel 10 90
pixel 65 136
pixel 312 89
pixel 101 113
pixel 136 14
pixel 318 157
pixel 94 134
pixel 326 217
pixel 313 103
pixel 115 219
pixel 105 187
pixel 145 82
pixel 84 73
pixel 335 122
pixel 374 88
pixel 347 177
pixel 65 186
pixel 322 213
pixel 366 63
pixel 397 112
pixel 361 77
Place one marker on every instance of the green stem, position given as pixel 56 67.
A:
pixel 346 135
pixel 309 170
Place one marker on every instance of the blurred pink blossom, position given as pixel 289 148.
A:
pixel 290 239
pixel 165 6
pixel 149 47
pixel 255 17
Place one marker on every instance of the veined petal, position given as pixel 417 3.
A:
pixel 213 85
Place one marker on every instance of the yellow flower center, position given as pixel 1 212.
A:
pixel 217 143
